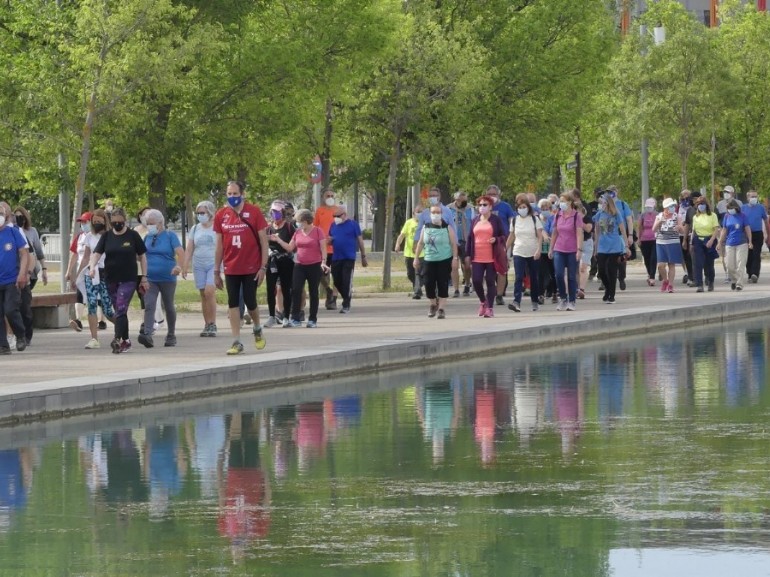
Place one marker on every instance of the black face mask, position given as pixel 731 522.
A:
pixel 98 226
pixel 462 204
pixel 21 222
pixel 118 226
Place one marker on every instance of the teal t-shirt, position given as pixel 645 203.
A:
pixel 436 240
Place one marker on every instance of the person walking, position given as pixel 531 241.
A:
pixel 611 245
pixel 24 222
pixel 406 238
pixel 323 219
pixel 200 254
pixel 756 214
pixel 440 243
pixel 647 239
pixel 280 264
pixel 705 232
pixel 14 276
pixel 526 239
pixel 463 216
pixel 486 231
pixel 345 237
pixel 566 244
pixel 241 251
pixel 668 248
pixel 736 239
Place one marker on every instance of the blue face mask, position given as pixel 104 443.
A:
pixel 702 208
pixel 234 201
pixel 203 218
pixel 152 229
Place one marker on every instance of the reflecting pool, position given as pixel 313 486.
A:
pixel 638 457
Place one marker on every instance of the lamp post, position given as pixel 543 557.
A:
pixel 659 36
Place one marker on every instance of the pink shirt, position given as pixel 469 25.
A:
pixel 482 232
pixel 566 241
pixel 645 225
pixel 309 246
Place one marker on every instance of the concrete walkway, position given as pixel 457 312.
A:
pixel 57 376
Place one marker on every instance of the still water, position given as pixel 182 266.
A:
pixel 639 457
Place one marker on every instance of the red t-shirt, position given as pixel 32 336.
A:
pixel 309 245
pixel 241 252
pixel 323 219
pixel 74 243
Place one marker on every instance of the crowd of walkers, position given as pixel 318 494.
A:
pixel 556 245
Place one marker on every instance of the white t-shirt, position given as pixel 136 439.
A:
pixel 525 228
pixel 92 240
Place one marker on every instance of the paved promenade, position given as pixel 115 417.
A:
pixel 56 375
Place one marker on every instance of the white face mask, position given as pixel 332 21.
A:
pixel 337 220
pixel 203 218
pixel 753 200
pixel 433 200
pixel 731 210
pixel 85 227
pixel 523 211
pixel 727 196
pixel 329 200
pixel 435 218
pixel 563 205
pixel 152 229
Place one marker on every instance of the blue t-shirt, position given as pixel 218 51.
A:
pixel 344 238
pixel 161 255
pixel 505 211
pixel 608 229
pixel 735 223
pixel 755 215
pixel 11 240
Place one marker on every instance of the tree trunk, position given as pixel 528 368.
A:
pixel 157 178
pixel 390 201
pixel 326 153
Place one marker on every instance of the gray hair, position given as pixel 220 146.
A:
pixel 304 215
pixel 155 215
pixel 208 206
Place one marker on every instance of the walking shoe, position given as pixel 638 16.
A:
pixel 489 312
pixel 691 284
pixel 206 332
pixel 21 344
pixel 515 307
pixel 601 286
pixel 311 325
pixel 562 306
pixel 331 304
pixel 456 294
pixel 76 325
pixel 605 298
pixel 732 286
pixel 555 299
pixel 302 316
pixel 93 344
pixel 212 330
pixel 417 296
pixel 670 288
pixel 5 350
pixel 247 318
pixel 170 341
pixel 753 279
pixel 279 316
pixel 738 287
pixel 146 340
pixel 329 295
pixel 727 280
pixel 271 322
pixel 259 338
pixel 125 346
pixel 482 308
pixel 711 286
pixel 291 324
pixel 12 341
pixel 699 289
pixel 535 307
pixel 115 346
pixel 541 300
pixel 432 311
pixel 581 294
pixel 102 326
pixel 441 314
pixel 622 284
pixel 611 301
pixel 685 278
pixel 499 300
pixel 571 306
pixel 467 291
pixel 664 286
pixel 235 349
pixel 344 310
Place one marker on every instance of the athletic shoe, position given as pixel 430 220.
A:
pixel 699 289
pixel 664 286
pixel 732 286
pixel 76 325
pixel 271 322
pixel 541 300
pixel 467 291
pixel 311 325
pixel 331 304
pixel 670 288
pixel 711 286
pixel 555 299
pixel 247 318
pixel 611 301
pixel 622 284
pixel 727 280
pixel 170 341
pixel 125 346
pixel 344 310
pixel 259 338
pixel 102 326
pixel 329 296
pixel 482 308
pixel 279 316
pixel 432 311
pixel 515 307
pixel 691 284
pixel 441 314
pixel 11 341
pixel 605 298
pixel 489 312
pixel 93 344
pixel 115 346
pixel 146 340
pixel 685 278
pixel 571 306
pixel 235 349
pixel 535 307
pixel 753 279
pixel 499 300
pixel 291 324
pixel 581 294
pixel 456 294
pixel 206 332
pixel 5 350
pixel 21 344
pixel 562 306
pixel 738 287
pixel 417 296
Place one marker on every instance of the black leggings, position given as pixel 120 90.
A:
pixel 312 274
pixel 436 275
pixel 284 272
pixel 607 269
pixel 234 283
pixel 650 255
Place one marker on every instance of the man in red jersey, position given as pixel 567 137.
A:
pixel 241 245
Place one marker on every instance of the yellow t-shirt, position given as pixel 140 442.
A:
pixel 408 230
pixel 704 224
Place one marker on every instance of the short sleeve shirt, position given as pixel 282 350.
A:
pixel 309 245
pixel 161 255
pixel 241 251
pixel 11 241
pixel 120 252
pixel 526 243
pixel 345 239
pixel 735 224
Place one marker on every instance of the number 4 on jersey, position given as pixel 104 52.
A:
pixel 237 240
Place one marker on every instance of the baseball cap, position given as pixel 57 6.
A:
pixel 650 202
pixel 85 217
pixel 729 189
pixel 668 202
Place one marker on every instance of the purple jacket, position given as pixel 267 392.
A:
pixel 497 231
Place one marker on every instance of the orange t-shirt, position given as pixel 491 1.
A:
pixel 482 232
pixel 323 219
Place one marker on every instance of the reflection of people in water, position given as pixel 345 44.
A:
pixel 124 469
pixel 567 404
pixel 283 421
pixel 15 482
pixel 309 435
pixel 438 416
pixel 492 408
pixel 245 493
pixel 165 466
pixel 207 443
pixel 93 460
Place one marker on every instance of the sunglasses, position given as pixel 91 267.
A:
pixel 483 204
pixel 200 213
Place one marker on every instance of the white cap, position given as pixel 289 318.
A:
pixel 668 202
pixel 729 189
pixel 650 202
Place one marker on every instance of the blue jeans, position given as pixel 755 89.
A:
pixel 703 260
pixel 568 260
pixel 521 267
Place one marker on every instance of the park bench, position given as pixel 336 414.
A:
pixel 52 311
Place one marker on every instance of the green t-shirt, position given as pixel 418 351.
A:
pixel 408 230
